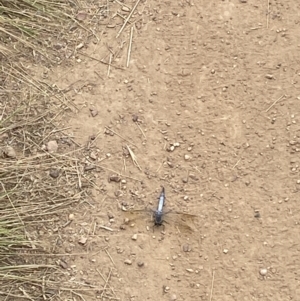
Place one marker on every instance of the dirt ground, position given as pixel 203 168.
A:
pixel 220 80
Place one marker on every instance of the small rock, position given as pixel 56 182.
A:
pixel 88 167
pixel 71 217
pixel 186 248
pixel 52 146
pixel 256 214
pixel 269 76
pixel 173 297
pixel 114 178
pixel 187 157
pixel 128 261
pixel 243 1
pixel 170 164
pixel 82 240
pixel 124 8
pixel 68 250
pixel 166 288
pixel 190 270
pixel 135 118
pixel 9 152
pixel 54 173
pixel 225 251
pixel 263 271
pixel 140 264
pixel 94 112
pixel 81 15
pixel 186 197
pixel 62 263
pixel 93 155
pixel 134 237
pixel 184 180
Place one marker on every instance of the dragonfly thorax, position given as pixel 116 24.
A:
pixel 158 217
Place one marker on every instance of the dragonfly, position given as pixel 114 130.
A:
pixel 182 221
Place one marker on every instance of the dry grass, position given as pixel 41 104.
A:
pixel 36 187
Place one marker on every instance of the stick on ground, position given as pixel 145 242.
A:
pixel 133 157
pixel 129 16
pixel 274 103
pixel 212 286
pixel 129 47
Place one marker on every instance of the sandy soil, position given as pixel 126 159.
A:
pixel 220 79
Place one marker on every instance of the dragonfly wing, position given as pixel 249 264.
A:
pixel 138 216
pixel 183 221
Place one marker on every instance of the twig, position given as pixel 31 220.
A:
pixel 109 64
pixel 43 288
pixel 106 228
pixel 133 157
pixel 119 135
pixel 79 295
pixel 274 103
pixel 106 283
pixel 141 130
pixel 212 286
pixel 110 257
pixel 268 14
pixel 233 167
pixel 100 61
pixel 78 175
pixel 129 16
pixel 129 47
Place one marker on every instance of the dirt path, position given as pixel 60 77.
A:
pixel 204 75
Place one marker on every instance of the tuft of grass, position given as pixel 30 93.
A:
pixel 36 187
pixel 30 23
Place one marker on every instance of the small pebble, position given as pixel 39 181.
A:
pixel 134 237
pixel 114 178
pixel 54 173
pixel 184 180
pixel 263 271
pixel 93 155
pixel 10 152
pixel 94 112
pixel 63 263
pixel 186 248
pixel 52 146
pixel 190 270
pixel 82 240
pixel 128 261
pixel 225 251
pixel 140 264
pixel 166 289
pixel 186 157
pixel 71 217
pixel 125 8
pixel 185 197
pixel 269 76
pixel 173 297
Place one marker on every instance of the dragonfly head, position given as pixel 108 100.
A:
pixel 158 218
